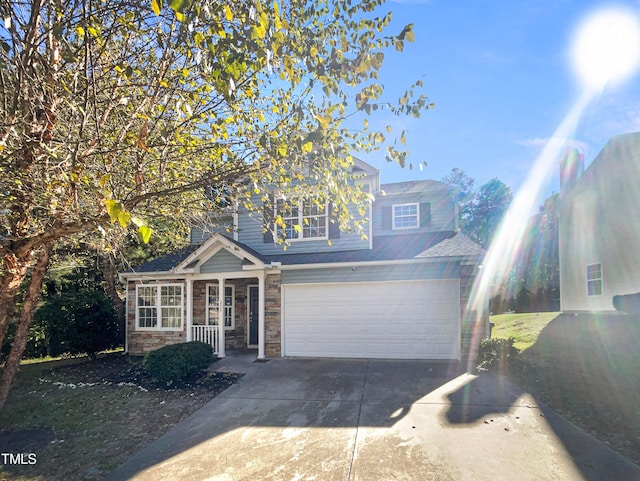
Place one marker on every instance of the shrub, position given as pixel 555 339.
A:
pixel 178 361
pixel 497 353
pixel 77 321
pixel 75 316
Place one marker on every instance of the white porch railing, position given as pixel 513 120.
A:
pixel 208 334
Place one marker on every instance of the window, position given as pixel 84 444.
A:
pixel 159 307
pixel 405 216
pixel 594 279
pixel 213 303
pixel 304 220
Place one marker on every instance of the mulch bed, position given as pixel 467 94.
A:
pixel 84 419
pixel 118 369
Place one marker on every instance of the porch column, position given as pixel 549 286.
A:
pixel 189 309
pixel 261 333
pixel 221 317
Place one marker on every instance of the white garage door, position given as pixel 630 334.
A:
pixel 403 320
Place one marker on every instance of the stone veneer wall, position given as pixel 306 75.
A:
pixel 474 324
pixel 140 342
pixel 272 323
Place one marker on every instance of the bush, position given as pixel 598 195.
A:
pixel 75 316
pixel 178 361
pixel 76 321
pixel 497 353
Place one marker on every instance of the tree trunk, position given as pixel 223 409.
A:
pixel 29 305
pixel 14 272
pixel 110 282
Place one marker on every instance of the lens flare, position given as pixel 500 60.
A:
pixel 606 47
pixel 606 51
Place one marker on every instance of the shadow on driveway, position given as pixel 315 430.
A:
pixel 331 419
pixel 490 396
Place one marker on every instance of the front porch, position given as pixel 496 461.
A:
pixel 235 320
pixel 219 294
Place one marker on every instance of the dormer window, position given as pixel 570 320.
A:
pixel 406 216
pixel 304 220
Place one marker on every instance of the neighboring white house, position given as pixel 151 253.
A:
pixel 600 229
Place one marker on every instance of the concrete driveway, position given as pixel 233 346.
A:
pixel 312 419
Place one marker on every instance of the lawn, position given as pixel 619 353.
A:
pixel 585 367
pixel 524 328
pixel 82 419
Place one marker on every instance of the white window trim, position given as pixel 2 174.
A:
pixel 233 305
pixel 393 216
pixel 601 279
pixel 158 306
pixel 301 217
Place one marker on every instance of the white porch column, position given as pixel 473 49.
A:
pixel 189 309
pixel 221 317
pixel 261 333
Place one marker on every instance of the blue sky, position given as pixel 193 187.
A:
pixel 500 75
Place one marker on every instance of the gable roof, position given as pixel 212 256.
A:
pixel 190 256
pixel 217 242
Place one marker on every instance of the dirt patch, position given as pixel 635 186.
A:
pixel 81 421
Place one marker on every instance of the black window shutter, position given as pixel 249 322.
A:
pixel 334 228
pixel 425 214
pixel 387 218
pixel 267 215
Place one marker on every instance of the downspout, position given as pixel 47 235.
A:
pixel 126 318
pixel 261 320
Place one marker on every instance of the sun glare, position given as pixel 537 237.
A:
pixel 606 51
pixel 606 47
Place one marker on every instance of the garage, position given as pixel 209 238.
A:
pixel 395 320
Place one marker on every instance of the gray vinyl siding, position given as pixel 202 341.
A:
pixel 198 234
pixel 443 211
pixel 250 233
pixel 600 223
pixel 397 272
pixel 222 261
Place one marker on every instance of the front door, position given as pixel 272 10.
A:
pixel 252 328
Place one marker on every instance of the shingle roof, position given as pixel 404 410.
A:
pixel 456 246
pixel 165 263
pixel 413 186
pixel 385 248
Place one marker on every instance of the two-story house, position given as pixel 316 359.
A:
pixel 399 292
pixel 599 229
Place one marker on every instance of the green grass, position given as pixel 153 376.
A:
pixel 524 328
pixel 585 367
pixel 65 359
pixel 92 415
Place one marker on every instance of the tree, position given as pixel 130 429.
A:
pixel 113 113
pixel 533 281
pixel 487 208
pixel 465 193
pixel 480 211
pixel 539 261
pixel 77 316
